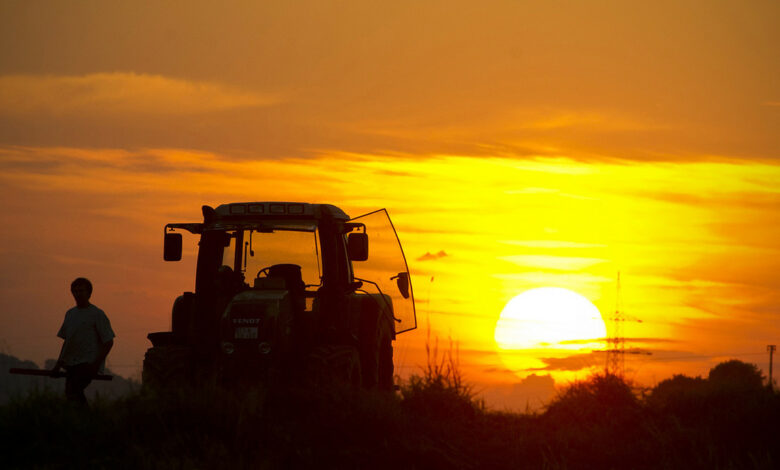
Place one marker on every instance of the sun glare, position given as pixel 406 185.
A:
pixel 550 318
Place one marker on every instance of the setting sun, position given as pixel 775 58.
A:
pixel 552 319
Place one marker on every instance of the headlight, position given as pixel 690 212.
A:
pixel 228 348
pixel 264 348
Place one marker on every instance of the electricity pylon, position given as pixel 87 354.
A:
pixel 616 342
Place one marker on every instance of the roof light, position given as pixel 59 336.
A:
pixel 256 209
pixel 295 209
pixel 237 209
pixel 278 209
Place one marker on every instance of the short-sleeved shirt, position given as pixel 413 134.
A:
pixel 84 331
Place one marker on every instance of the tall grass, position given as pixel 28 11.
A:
pixel 441 391
pixel 436 421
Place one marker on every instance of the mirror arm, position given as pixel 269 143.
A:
pixel 382 294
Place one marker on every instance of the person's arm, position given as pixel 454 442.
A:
pixel 63 333
pixel 106 336
pixel 59 363
pixel 102 353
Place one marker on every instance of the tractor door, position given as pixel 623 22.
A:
pixel 384 273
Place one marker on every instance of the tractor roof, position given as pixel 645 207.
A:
pixel 264 215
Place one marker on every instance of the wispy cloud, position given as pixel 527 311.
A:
pixel 602 121
pixel 551 244
pixel 121 93
pixel 630 340
pixel 745 199
pixel 558 263
pixel 571 363
pixel 428 256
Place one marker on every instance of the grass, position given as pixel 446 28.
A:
pixel 435 421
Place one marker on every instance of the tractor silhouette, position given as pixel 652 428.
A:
pixel 285 291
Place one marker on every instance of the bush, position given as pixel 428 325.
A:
pixel 721 420
pixel 681 396
pixel 588 421
pixel 732 388
pixel 736 376
pixel 600 399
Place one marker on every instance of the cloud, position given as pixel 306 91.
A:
pixel 554 263
pixel 579 341
pixel 571 363
pixel 651 340
pixel 590 120
pixel 121 93
pixel 627 339
pixel 428 256
pixel 531 393
pixel 745 199
pixel 550 244
pixel 576 362
pixel 536 385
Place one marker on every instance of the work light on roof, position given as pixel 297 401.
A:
pixel 237 209
pixel 295 209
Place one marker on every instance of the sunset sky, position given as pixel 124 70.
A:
pixel 515 144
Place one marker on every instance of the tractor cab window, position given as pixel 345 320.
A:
pixel 385 270
pixel 252 252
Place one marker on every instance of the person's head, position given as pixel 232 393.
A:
pixel 81 289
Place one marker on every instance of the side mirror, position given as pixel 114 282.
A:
pixel 357 246
pixel 172 248
pixel 402 280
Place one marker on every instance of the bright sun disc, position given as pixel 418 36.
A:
pixel 550 318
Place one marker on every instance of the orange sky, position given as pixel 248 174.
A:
pixel 533 143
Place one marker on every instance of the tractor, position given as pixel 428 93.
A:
pixel 285 291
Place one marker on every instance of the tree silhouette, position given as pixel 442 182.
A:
pixel 737 376
pixel 681 396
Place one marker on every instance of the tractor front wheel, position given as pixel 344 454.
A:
pixel 335 364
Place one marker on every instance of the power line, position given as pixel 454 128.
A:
pixel 703 356
pixel 771 348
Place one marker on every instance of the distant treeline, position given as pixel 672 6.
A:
pixel 12 385
pixel 726 420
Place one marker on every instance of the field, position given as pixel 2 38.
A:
pixel 726 420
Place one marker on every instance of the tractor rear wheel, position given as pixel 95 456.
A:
pixel 377 354
pixel 167 367
pixel 386 368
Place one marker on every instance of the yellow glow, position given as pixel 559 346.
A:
pixel 688 247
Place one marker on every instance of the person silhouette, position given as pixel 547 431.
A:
pixel 88 338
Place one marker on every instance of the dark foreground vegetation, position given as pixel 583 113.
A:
pixel 728 420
